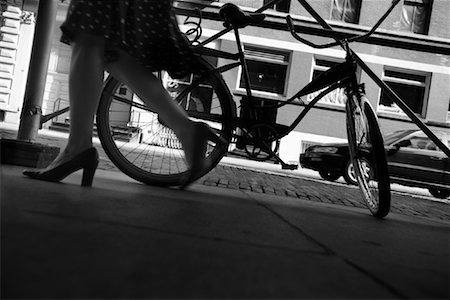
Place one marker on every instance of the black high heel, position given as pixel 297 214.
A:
pixel 86 160
pixel 203 134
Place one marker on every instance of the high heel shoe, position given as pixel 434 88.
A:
pixel 202 134
pixel 86 160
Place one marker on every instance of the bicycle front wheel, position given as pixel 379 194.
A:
pixel 368 155
pixel 141 146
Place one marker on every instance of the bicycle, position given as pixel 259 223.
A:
pixel 142 147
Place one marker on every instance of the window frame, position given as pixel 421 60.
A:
pixel 448 112
pixel 397 111
pixel 342 19
pixel 280 6
pixel 253 56
pixel 322 68
pixel 414 4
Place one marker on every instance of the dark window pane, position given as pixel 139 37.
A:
pixel 317 73
pixel 122 90
pixel 346 10
pixel 416 16
pixel 412 95
pixel 413 77
pixel 324 64
pixel 283 6
pixel 266 77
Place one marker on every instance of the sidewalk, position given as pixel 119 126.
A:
pixel 241 174
pixel 124 240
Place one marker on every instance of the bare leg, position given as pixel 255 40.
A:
pixel 85 85
pixel 150 90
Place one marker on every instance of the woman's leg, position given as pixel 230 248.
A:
pixel 85 86
pixel 150 90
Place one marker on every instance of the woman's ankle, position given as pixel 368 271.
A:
pixel 74 149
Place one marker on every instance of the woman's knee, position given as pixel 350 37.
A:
pixel 86 42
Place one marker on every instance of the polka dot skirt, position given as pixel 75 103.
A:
pixel 145 29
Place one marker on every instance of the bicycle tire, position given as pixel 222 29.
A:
pixel 366 142
pixel 147 150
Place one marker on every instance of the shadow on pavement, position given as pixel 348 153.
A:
pixel 122 239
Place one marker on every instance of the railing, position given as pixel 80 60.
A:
pixel 57 111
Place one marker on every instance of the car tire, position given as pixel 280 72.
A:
pixel 329 175
pixel 439 193
pixel 349 173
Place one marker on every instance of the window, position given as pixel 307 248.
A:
pixel 346 10
pixel 336 97
pixel 267 70
pixel 411 87
pixel 321 65
pixel 422 142
pixel 416 16
pixel 282 6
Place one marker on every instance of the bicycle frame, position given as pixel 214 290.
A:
pixel 338 76
pixel 331 77
pixel 343 74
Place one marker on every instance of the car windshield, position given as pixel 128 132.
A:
pixel 396 135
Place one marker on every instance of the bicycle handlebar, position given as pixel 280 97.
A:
pixel 321 21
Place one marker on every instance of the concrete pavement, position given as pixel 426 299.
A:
pixel 267 178
pixel 122 239
pixel 238 232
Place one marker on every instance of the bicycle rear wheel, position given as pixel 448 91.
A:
pixel 140 145
pixel 366 145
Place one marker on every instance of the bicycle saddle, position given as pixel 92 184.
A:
pixel 236 17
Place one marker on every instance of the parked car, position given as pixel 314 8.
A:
pixel 413 160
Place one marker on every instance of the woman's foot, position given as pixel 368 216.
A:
pixel 195 142
pixel 65 164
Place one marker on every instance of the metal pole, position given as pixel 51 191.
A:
pixel 37 73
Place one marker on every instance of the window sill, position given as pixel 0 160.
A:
pixel 260 95
pixel 395 116
pixel 328 106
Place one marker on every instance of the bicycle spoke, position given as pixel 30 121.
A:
pixel 140 144
pixel 368 156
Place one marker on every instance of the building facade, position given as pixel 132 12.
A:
pixel 16 36
pixel 280 66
